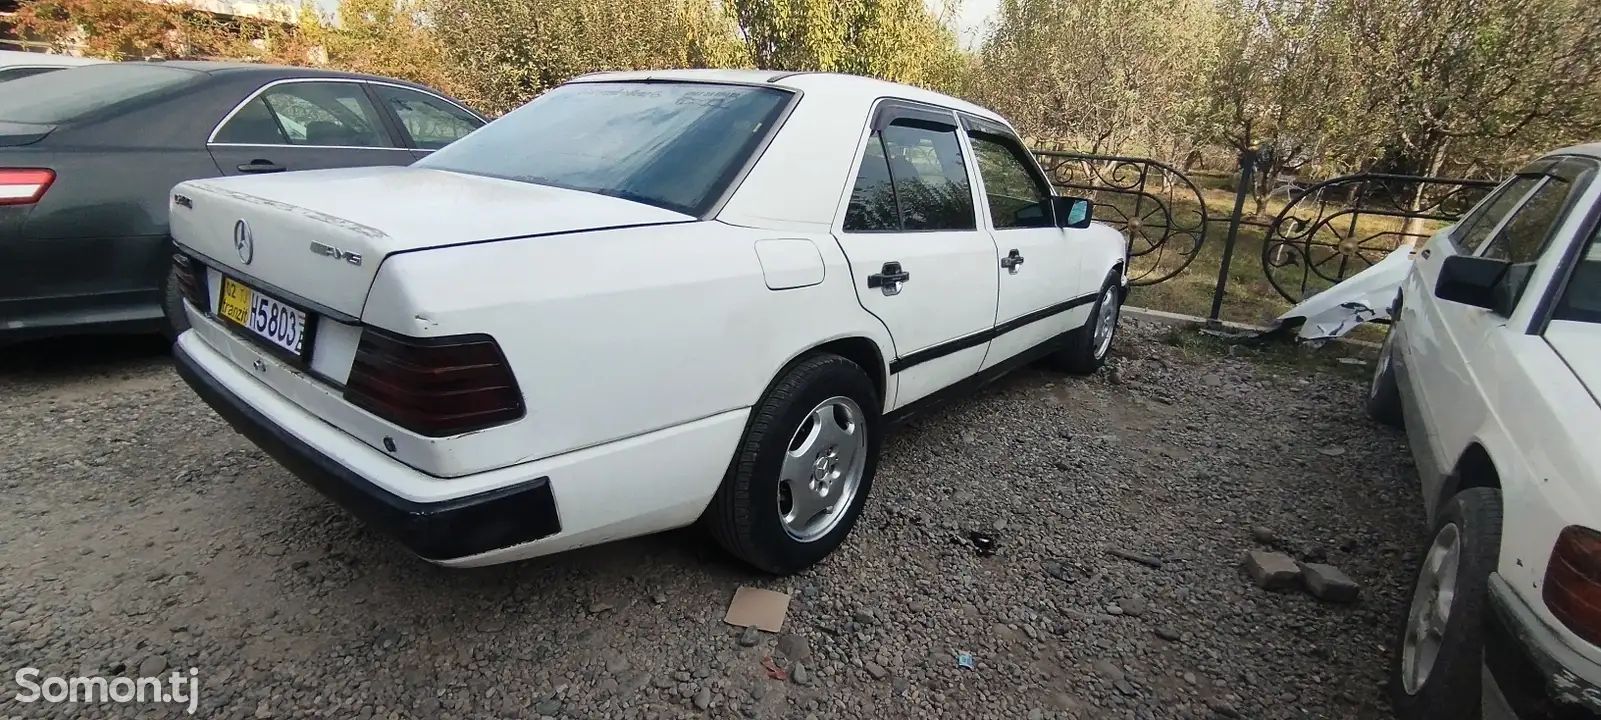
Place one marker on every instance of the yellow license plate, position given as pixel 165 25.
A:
pixel 264 315
pixel 235 302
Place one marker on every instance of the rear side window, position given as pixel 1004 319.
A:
pixel 66 95
pixel 1581 300
pixel 930 177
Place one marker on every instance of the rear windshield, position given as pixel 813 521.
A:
pixel 66 95
pixel 673 145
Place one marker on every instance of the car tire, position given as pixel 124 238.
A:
pixel 1467 538
pixel 1087 347
pixel 172 307
pixel 814 436
pixel 1384 391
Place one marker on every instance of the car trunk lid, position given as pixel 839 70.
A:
pixel 321 235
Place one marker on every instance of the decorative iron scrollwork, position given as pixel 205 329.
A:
pixel 1155 206
pixel 1340 227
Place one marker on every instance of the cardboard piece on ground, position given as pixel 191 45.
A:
pixel 763 609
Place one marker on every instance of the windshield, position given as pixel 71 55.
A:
pixel 66 95
pixel 672 145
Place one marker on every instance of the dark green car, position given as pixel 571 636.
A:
pixel 89 155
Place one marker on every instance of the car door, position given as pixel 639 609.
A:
pixel 427 122
pixel 1454 381
pixel 920 262
pixel 306 124
pixel 1428 343
pixel 1037 268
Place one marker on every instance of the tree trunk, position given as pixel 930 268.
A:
pixel 1412 228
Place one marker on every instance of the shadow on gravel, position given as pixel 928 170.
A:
pixel 62 359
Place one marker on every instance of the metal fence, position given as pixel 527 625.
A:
pixel 1324 232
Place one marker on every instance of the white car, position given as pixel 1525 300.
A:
pixel 641 300
pixel 1494 368
pixel 15 64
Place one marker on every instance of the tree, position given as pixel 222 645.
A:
pixel 1108 76
pixel 1477 84
pixel 119 29
pixel 1284 87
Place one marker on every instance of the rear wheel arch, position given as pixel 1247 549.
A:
pixel 1474 469
pixel 859 349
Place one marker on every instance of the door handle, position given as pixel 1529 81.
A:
pixel 1424 253
pixel 1011 261
pixel 890 279
pixel 261 166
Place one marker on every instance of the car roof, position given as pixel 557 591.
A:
pixel 1590 149
pixel 13 58
pixel 823 85
pixel 235 69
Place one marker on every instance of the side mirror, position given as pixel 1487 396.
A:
pixel 1478 281
pixel 1071 212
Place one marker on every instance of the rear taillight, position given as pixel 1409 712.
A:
pixel 1573 582
pixel 191 277
pixel 24 187
pixel 433 386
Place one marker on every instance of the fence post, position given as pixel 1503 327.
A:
pixel 1247 165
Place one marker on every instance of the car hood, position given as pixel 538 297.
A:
pixel 1579 345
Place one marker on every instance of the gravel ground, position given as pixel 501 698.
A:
pixel 144 537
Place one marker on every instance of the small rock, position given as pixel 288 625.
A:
pixel 1146 560
pixel 1190 678
pixel 1036 714
pixel 1264 535
pixel 548 707
pixel 799 674
pixel 1133 606
pixel 659 598
pixel 750 637
pixel 877 671
pixel 616 664
pixel 1168 634
pixel 152 666
pixel 1332 450
pixel 598 607
pixel 1326 582
pixel 1108 670
pixel 1271 570
pixel 794 647
pixel 1314 554
pixel 703 699
pixel 1125 688
pixel 1114 609
pixel 1222 707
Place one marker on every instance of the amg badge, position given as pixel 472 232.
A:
pixel 335 253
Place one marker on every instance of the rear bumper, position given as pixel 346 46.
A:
pixel 439 531
pixel 1529 672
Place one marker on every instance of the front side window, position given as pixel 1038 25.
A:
pixel 1475 229
pixel 1523 237
pixel 930 176
pixel 1017 198
pixel 431 122
pixel 675 145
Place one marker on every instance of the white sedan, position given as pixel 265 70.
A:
pixel 642 300
pixel 1494 368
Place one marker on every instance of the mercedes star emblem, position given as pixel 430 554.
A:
pixel 243 242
